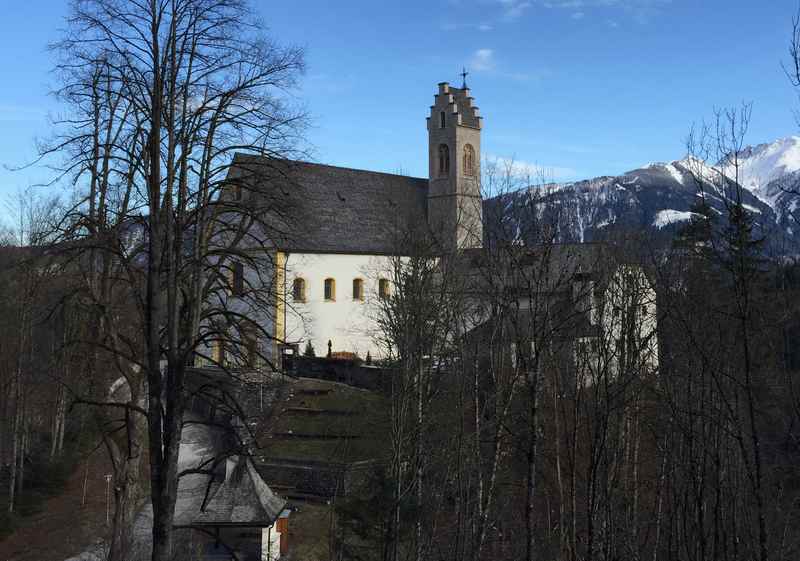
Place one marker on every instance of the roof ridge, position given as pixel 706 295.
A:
pixel 262 488
pixel 345 210
pixel 318 164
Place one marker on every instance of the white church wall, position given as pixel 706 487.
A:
pixel 351 325
pixel 270 544
pixel 257 301
pixel 629 309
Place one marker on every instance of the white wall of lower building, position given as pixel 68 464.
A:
pixel 351 325
pixel 270 544
pixel 630 320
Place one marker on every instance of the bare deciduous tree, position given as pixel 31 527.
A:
pixel 160 95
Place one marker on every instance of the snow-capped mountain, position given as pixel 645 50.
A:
pixel 772 173
pixel 762 169
pixel 660 197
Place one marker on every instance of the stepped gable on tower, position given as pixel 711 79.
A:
pixel 460 103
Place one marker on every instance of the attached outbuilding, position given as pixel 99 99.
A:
pixel 242 519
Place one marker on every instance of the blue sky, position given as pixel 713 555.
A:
pixel 579 87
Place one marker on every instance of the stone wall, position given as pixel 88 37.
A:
pixel 322 479
pixel 350 372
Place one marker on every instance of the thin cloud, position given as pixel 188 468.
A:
pixel 534 171
pixel 486 60
pixel 513 9
pixel 641 10
pixel 454 26
pixel 565 4
pixel 482 60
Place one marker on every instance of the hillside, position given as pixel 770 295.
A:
pixel 66 523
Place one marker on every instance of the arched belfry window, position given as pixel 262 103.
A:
pixel 444 160
pixel 299 290
pixel 469 160
pixel 442 121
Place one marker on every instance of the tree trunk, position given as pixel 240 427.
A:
pixel 562 517
pixel 530 489
pixel 18 451
pixel 420 467
pixel 127 491
pixel 57 431
pixel 24 447
pixel 15 449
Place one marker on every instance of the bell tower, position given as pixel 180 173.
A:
pixel 454 156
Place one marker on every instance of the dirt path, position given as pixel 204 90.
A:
pixel 64 528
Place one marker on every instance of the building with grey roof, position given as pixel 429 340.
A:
pixel 242 516
pixel 334 231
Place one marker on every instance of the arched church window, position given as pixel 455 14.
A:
pixel 383 288
pixel 442 121
pixel 444 160
pixel 218 352
pixel 469 160
pixel 358 289
pixel 250 354
pixel 330 290
pixel 237 281
pixel 299 290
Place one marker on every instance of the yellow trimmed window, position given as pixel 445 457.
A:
pixel 250 346
pixel 330 290
pixel 383 288
pixel 218 352
pixel 299 290
pixel 358 289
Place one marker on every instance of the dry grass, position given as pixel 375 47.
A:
pixel 366 424
pixel 309 533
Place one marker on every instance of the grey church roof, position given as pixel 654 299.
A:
pixel 321 208
pixel 242 499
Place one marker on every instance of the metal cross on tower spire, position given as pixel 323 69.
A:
pixel 464 75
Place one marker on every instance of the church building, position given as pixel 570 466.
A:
pixel 342 229
pixel 337 234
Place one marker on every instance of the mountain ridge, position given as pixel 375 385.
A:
pixel 659 197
